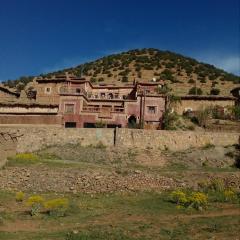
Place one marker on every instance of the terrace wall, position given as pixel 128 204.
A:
pixel 34 138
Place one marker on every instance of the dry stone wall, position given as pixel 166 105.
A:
pixel 35 138
pixel 173 140
pixel 8 145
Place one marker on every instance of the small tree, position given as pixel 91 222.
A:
pixel 215 91
pixel 195 91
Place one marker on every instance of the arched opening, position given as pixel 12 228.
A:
pixel 132 122
pixel 110 96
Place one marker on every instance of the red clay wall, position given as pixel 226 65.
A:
pixel 30 119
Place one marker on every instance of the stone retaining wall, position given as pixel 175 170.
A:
pixel 35 138
pixel 8 145
pixel 173 140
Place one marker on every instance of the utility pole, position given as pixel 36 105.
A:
pixel 195 86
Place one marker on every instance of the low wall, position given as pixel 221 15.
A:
pixel 34 138
pixel 8 145
pixel 173 140
pixel 30 119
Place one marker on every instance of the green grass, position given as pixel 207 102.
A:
pixel 139 216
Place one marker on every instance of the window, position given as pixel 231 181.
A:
pixel 78 90
pixel 48 90
pixel 69 108
pixel 70 124
pixel 152 109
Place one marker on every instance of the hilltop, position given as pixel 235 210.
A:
pixel 180 72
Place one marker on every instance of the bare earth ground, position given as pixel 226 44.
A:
pixel 118 194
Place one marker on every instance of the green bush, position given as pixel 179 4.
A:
pixel 196 200
pixel 57 207
pixel 19 196
pixel 215 91
pixel 195 91
pixel 36 203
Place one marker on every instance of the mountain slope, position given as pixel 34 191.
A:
pixel 180 72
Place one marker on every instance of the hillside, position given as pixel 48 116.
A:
pixel 180 72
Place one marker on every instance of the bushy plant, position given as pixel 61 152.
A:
pixel 26 157
pixel 215 91
pixel 179 197
pixel 36 203
pixel 201 117
pixel 57 207
pixel 230 195
pixel 198 200
pixel 195 91
pixel 19 196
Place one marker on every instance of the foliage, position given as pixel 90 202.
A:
pixel 214 91
pixel 195 91
pixel 57 207
pixel 19 196
pixel 169 119
pixel 179 197
pixel 201 117
pixel 197 200
pixel 36 203
pixel 142 59
pixel 26 157
pixel 165 89
pixel 236 112
pixel 218 191
pixel 100 124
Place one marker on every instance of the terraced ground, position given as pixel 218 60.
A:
pixel 122 193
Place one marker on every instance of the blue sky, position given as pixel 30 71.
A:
pixel 42 36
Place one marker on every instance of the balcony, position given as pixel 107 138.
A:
pixel 73 91
pixel 97 109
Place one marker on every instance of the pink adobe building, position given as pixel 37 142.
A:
pixel 82 104
pixel 75 102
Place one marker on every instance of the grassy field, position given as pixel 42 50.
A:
pixel 144 214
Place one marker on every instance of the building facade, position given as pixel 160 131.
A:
pixel 80 104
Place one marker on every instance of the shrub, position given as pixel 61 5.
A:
pixel 236 112
pixel 195 91
pixel 19 196
pixel 36 203
pixel 124 79
pixel 178 197
pixel 198 200
pixel 217 185
pixel 191 81
pixel 26 157
pixel 100 124
pixel 57 207
pixel 201 117
pixel 230 195
pixel 215 91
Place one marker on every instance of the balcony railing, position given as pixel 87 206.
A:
pixel 97 109
pixel 101 96
pixel 73 91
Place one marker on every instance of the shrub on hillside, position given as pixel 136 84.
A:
pixel 57 207
pixel 215 91
pixel 19 196
pixel 25 157
pixel 195 91
pixel 36 203
pixel 196 200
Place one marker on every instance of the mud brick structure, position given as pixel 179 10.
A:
pixel 75 102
